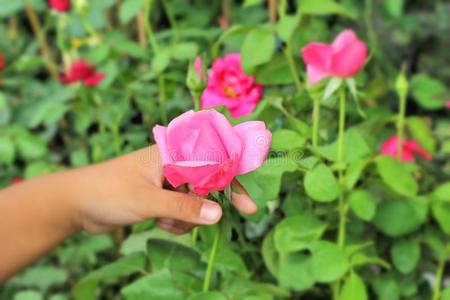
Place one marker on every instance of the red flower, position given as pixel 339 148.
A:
pixel 17 180
pixel 59 5
pixel 82 71
pixel 2 61
pixel 409 148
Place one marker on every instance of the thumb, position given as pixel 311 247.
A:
pixel 186 207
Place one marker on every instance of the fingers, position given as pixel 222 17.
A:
pixel 241 200
pixel 185 207
pixel 174 226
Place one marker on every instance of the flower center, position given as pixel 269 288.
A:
pixel 230 92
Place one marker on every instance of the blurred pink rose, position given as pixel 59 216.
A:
pixel 59 5
pixel 203 149
pixel 228 85
pixel 80 70
pixel 198 66
pixel 409 148
pixel 343 58
pixel 447 104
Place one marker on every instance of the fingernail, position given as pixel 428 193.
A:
pixel 210 212
pixel 236 189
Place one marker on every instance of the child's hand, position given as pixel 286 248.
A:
pixel 131 189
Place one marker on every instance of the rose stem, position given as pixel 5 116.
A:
pixel 42 40
pixel 155 48
pixel 212 257
pixel 438 279
pixel 315 116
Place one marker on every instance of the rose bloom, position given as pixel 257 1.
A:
pixel 409 148
pixel 447 104
pixel 59 5
pixel 204 150
pixel 228 85
pixel 2 61
pixel 344 57
pixel 82 71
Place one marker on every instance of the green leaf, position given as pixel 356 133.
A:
pixel 161 60
pixel 286 140
pixel 208 296
pixel 329 261
pixel 445 294
pixel 405 255
pixel 269 253
pixel 128 9
pixel 155 286
pixel 441 212
pixel 28 295
pixel 386 287
pixel 394 7
pixel 354 172
pixel 85 289
pixel 428 92
pixel 421 132
pixel 181 258
pixel 332 86
pixel 396 176
pixel 363 204
pixel 442 192
pixel 287 25
pixel 296 271
pixel 7 150
pixel 30 146
pixel 298 232
pixel 323 8
pixel 41 277
pixel 184 51
pixel 257 49
pixel 354 288
pixel 320 184
pixel 399 217
pixel 275 72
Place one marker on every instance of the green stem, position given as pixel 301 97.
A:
pixel 401 124
pixel 194 236
pixel 438 279
pixel 342 205
pixel 172 21
pixel 315 117
pixel 212 257
pixel 294 73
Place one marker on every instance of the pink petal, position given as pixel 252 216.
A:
pixel 160 134
pixel 344 38
pixel 256 141
pixel 315 75
pixel 415 147
pixel 94 79
pixel 317 55
pixel 349 59
pixel 189 172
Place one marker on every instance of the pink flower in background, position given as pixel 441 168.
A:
pixel 80 70
pixel 59 5
pixel 409 148
pixel 203 149
pixel 447 104
pixel 198 66
pixel 344 57
pixel 228 85
pixel 2 61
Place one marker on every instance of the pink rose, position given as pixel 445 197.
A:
pixel 80 70
pixel 447 104
pixel 59 5
pixel 228 85
pixel 204 150
pixel 198 67
pixel 343 58
pixel 409 148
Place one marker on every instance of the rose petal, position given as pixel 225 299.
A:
pixel 94 80
pixel 349 59
pixel 256 140
pixel 344 38
pixel 160 134
pixel 192 173
pixel 314 75
pixel 317 55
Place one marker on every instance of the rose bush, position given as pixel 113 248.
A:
pixel 341 214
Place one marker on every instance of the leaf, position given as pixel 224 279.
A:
pixel 257 49
pixel 332 86
pixel 155 286
pixel 323 8
pixel 394 7
pixel 405 255
pixel 41 277
pixel 286 140
pixel 7 150
pixel 428 92
pixel 184 51
pixel 363 204
pixel 422 133
pixel 298 232
pixel 386 287
pixel 28 295
pixel 329 262
pixel 128 9
pixel 207 296
pixel 161 60
pixel 296 271
pixel 354 172
pixel 442 192
pixel 396 176
pixel 85 289
pixel 399 217
pixel 30 146
pixel 269 253
pixel 320 184
pixel 167 254
pixel 441 212
pixel 275 72
pixel 354 288
pixel 446 294
pixel 287 25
